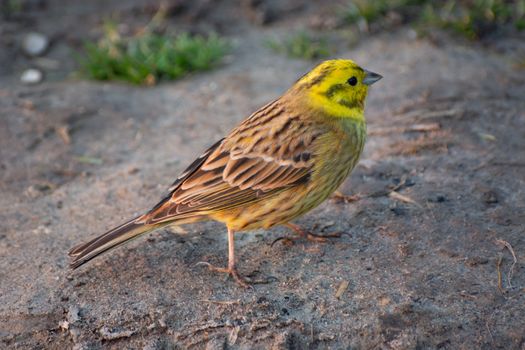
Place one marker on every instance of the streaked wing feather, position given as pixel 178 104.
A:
pixel 194 166
pixel 263 156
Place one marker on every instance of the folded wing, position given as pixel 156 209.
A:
pixel 262 157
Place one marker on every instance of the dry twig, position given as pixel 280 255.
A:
pixel 398 196
pixel 437 114
pixel 221 302
pixel 490 333
pixel 63 132
pixel 498 266
pixel 511 270
pixel 424 127
pixel 401 183
pixel 342 288
pixel 234 334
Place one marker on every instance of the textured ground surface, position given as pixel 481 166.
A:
pixel 447 132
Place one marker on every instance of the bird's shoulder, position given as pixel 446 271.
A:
pixel 276 132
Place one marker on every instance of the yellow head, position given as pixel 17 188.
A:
pixel 338 88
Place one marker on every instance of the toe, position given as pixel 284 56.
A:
pixel 244 282
pixel 212 267
pixel 316 238
pixel 287 241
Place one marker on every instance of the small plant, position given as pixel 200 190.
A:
pixel 10 7
pixel 149 57
pixel 471 18
pixel 301 45
pixel 368 12
pixel 476 19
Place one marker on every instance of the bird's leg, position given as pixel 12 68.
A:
pixel 231 269
pixel 306 234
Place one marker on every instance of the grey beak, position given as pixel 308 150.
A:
pixel 371 77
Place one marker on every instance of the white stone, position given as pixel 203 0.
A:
pixel 31 76
pixel 35 44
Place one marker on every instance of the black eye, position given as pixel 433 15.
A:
pixel 352 81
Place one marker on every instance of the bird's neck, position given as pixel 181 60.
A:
pixel 341 109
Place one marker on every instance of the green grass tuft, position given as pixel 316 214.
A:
pixel 301 45
pixel 10 7
pixel 148 58
pixel 473 19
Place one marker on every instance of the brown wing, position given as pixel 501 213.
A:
pixel 266 154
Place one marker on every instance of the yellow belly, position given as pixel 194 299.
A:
pixel 335 161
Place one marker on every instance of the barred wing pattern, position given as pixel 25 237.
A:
pixel 251 164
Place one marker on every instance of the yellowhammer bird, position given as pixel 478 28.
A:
pixel 281 162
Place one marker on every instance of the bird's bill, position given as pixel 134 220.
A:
pixel 371 77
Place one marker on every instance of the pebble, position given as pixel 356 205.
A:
pixel 73 314
pixel 64 325
pixel 35 44
pixel 412 34
pixel 437 198
pixel 398 211
pixel 490 197
pixel 108 333
pixel 31 76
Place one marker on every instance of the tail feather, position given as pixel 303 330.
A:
pixel 83 253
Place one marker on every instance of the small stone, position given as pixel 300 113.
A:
pixel 108 333
pixel 404 249
pixel 326 225
pixel 73 314
pixel 490 197
pixel 384 301
pixel 398 211
pixel 64 325
pixel 476 260
pixel 31 76
pixel 41 230
pixel 35 44
pixel 35 190
pixel 412 34
pixel 75 334
pixel 409 182
pixel 437 198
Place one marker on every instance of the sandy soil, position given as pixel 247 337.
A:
pixel 427 258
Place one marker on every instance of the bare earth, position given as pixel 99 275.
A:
pixel 427 266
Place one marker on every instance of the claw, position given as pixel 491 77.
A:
pixel 243 281
pixel 287 241
pixel 322 238
pixel 308 235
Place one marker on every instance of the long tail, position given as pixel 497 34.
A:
pixel 83 253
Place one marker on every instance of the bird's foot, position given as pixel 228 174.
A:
pixel 232 271
pixel 340 197
pixel 306 234
pixel 245 282
pixel 321 238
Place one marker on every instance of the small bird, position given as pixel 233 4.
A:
pixel 279 163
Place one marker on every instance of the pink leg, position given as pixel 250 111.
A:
pixel 231 269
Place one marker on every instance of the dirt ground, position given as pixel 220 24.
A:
pixel 427 259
